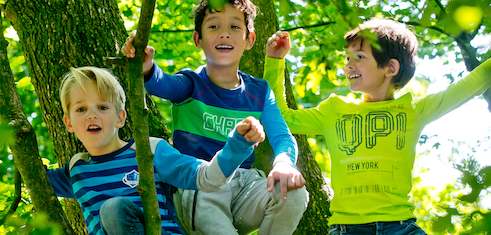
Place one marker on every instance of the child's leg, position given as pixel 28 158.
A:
pixel 254 207
pixel 208 213
pixel 121 216
pixel 404 227
pixel 401 227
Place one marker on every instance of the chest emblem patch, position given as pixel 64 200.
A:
pixel 131 178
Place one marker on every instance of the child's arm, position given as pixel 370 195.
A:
pixel 60 181
pixel 188 172
pixel 307 121
pixel 284 148
pixel 175 88
pixel 475 83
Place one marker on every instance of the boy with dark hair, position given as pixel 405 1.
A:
pixel 104 180
pixel 372 142
pixel 207 103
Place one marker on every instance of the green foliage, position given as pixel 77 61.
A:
pixel 317 29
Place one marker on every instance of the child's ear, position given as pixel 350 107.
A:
pixel 121 118
pixel 68 123
pixel 250 40
pixel 196 39
pixel 392 68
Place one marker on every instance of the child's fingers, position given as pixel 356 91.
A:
pixel 270 183
pixel 149 50
pixel 284 186
pixel 128 48
pixel 243 127
pixel 297 181
pixel 253 136
pixel 282 34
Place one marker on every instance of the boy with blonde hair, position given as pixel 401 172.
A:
pixel 104 179
pixel 372 142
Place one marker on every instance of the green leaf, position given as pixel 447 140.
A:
pixel 284 7
pixel 468 18
pixel 427 13
pixel 25 82
pixel 217 5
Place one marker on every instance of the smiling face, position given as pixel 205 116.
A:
pixel 364 73
pixel 224 37
pixel 94 120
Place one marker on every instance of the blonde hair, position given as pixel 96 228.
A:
pixel 107 85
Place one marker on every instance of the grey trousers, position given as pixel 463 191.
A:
pixel 240 207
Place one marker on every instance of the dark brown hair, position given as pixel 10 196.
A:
pixel 246 6
pixel 393 41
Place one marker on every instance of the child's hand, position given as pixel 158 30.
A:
pixel 129 51
pixel 278 45
pixel 251 129
pixel 287 176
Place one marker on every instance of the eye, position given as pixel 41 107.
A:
pixel 80 109
pixel 213 26
pixel 103 107
pixel 235 27
pixel 359 56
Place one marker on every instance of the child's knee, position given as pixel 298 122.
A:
pixel 298 199
pixel 116 206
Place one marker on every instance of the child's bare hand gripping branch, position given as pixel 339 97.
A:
pixel 278 45
pixel 129 51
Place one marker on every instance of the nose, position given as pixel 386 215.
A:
pixel 349 63
pixel 224 34
pixel 91 114
pixel 347 67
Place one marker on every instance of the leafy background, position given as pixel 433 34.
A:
pixel 317 29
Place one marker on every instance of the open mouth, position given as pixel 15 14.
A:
pixel 94 128
pixel 224 47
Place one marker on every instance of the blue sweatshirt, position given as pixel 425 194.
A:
pixel 204 113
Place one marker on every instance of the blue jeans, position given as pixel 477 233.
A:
pixel 121 216
pixel 378 228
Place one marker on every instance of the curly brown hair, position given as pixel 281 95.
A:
pixel 245 6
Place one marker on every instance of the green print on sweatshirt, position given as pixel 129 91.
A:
pixel 351 129
pixel 196 117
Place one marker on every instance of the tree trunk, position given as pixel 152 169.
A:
pixel 56 35
pixel 25 149
pixel 314 220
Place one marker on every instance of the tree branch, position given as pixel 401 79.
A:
pixel 428 27
pixel 320 24
pixel 139 113
pixel 17 196
pixel 440 5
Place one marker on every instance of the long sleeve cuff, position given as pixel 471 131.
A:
pixel 150 74
pixel 283 158
pixel 236 150
pixel 212 175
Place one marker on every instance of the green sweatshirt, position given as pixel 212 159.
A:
pixel 372 144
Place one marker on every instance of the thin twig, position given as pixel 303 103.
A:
pixel 17 196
